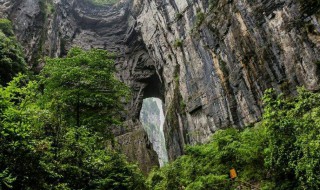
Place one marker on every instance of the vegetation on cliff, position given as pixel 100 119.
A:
pixel 11 57
pixel 55 133
pixel 55 129
pixel 281 152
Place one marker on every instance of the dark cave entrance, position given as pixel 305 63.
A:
pixel 152 116
pixel 155 88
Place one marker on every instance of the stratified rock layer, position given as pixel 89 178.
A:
pixel 208 60
pixel 219 56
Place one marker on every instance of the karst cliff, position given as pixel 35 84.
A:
pixel 209 61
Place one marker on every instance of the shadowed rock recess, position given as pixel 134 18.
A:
pixel 208 60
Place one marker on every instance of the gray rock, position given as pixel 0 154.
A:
pixel 209 63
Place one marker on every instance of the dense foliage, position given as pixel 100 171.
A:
pixel 293 152
pixel 51 137
pixel 281 152
pixel 11 56
pixel 83 89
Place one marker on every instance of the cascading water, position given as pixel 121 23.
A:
pixel 152 119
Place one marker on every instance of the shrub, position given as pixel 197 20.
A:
pixel 281 152
pixel 11 57
pixel 179 16
pixel 6 27
pixel 178 43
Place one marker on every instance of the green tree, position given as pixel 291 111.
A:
pixel 207 166
pixel 293 130
pixel 43 146
pixel 86 101
pixel 6 27
pixel 19 158
pixel 11 57
pixel 84 90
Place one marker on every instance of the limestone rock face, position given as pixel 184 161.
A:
pixel 218 57
pixel 208 60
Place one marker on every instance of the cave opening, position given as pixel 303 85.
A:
pixel 152 119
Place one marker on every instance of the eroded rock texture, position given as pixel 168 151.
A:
pixel 208 60
pixel 219 56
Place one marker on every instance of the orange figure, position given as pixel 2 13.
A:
pixel 233 173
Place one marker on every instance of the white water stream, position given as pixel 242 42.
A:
pixel 152 119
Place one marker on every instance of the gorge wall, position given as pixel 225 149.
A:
pixel 208 60
pixel 218 57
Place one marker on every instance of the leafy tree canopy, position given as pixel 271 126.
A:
pixel 51 135
pixel 84 89
pixel 11 57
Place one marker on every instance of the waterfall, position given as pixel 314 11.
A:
pixel 152 119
